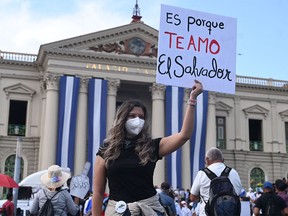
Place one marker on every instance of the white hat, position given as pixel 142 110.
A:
pixel 55 177
pixel 183 202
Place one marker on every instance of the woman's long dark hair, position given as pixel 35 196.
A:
pixel 116 136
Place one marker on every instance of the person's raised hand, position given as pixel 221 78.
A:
pixel 196 90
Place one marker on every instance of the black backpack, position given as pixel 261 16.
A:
pixel 223 199
pixel 272 209
pixel 47 209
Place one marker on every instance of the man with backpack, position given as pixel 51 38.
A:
pixel 222 196
pixel 269 203
pixel 52 200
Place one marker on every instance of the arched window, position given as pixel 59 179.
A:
pixel 256 176
pixel 9 169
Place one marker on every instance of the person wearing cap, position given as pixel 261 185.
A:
pixel 280 189
pixel 128 157
pixel 262 202
pixel 184 209
pixel 62 202
pixel 200 188
pixel 165 198
pixel 251 195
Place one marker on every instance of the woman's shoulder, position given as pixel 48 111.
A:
pixel 156 141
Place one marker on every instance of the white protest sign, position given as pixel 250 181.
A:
pixel 80 185
pixel 196 45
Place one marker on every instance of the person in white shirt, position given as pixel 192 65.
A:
pixel 178 208
pixel 251 196
pixel 201 184
pixel 185 210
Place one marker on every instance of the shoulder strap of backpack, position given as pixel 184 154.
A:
pixel 209 173
pixel 52 196
pixel 226 171
pixel 55 194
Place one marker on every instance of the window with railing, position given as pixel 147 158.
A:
pixel 256 146
pixel 17 118
pixel 220 132
pixel 255 135
pixel 16 130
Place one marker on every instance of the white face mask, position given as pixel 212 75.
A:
pixel 134 126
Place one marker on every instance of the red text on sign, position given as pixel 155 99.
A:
pixel 178 42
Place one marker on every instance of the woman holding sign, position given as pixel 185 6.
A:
pixel 128 159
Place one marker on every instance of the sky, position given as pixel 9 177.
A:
pixel 261 26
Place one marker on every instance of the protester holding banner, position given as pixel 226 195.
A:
pixel 62 202
pixel 128 158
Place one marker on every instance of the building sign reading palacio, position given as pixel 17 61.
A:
pixel 118 68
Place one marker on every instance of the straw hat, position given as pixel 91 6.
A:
pixel 55 177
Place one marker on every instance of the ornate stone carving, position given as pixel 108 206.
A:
pixel 51 81
pixel 110 47
pixel 84 84
pixel 158 91
pixel 284 114
pixel 113 85
pixel 121 47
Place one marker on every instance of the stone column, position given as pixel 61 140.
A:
pixel 158 121
pixel 211 124
pixel 239 143
pixel 81 127
pixel 49 145
pixel 275 144
pixel 113 85
pixel 43 109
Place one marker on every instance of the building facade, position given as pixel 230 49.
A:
pixel 250 127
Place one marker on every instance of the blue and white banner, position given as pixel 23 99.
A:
pixel 174 119
pixel 68 102
pixel 198 139
pixel 97 106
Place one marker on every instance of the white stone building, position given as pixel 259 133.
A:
pixel 251 127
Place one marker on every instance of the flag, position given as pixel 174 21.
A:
pixel 174 119
pixel 68 102
pixel 97 106
pixel 198 138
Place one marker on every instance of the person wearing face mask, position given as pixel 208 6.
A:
pixel 128 157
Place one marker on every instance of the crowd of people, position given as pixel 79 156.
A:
pixel 192 202
pixel 182 205
pixel 127 161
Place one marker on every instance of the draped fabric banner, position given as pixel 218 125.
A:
pixel 68 102
pixel 198 139
pixel 174 118
pixel 97 106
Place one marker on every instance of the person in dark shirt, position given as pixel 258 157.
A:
pixel 128 158
pixel 262 203
pixel 166 200
pixel 280 188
